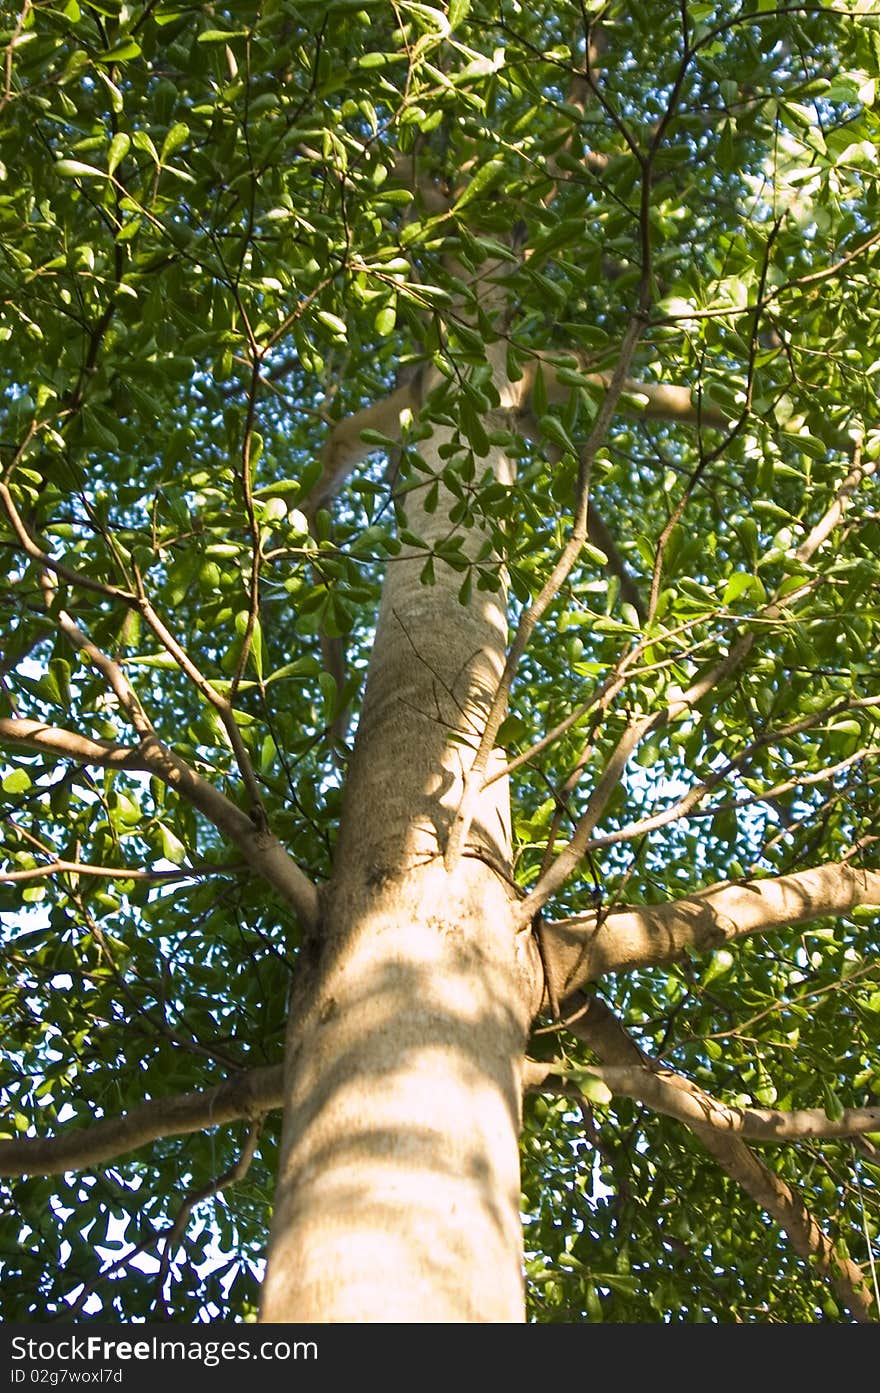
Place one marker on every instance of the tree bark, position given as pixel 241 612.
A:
pixel 588 946
pixel 399 1190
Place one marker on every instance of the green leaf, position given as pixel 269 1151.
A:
pixel 19 781
pixel 554 430
pixel 123 51
pixel 834 1108
pixel 142 141
pixel 487 174
pixel 271 216
pixel 720 964
pixel 539 393
pixel 333 323
pixel 257 648
pixel 161 660
pixel 375 59
pixel 177 135
pixel 741 583
pixel 172 847
pixel 591 1086
pixel 268 754
pixel 119 148
pixel 73 169
pixel 59 675
pixel 300 667
pixel 220 36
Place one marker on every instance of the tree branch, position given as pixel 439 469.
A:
pixel 249 1094
pixel 783 1203
pixel 220 703
pixel 651 401
pixel 552 880
pixel 112 872
pixel 36 553
pixel 600 536
pixel 670 1093
pixel 263 852
pixel 344 448
pixel 535 610
pixel 688 804
pixel 597 531
pixel 430 195
pixel 594 1023
pixel 111 671
pixel 592 945
pixel 68 744
pixel 236 1172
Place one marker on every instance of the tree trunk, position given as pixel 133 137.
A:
pixel 399 1195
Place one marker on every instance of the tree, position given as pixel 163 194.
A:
pixel 498 384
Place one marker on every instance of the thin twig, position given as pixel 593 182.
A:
pixel 641 726
pixel 229 1177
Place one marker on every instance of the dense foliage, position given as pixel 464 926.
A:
pixel 224 228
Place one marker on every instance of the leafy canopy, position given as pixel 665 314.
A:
pixel 224 229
